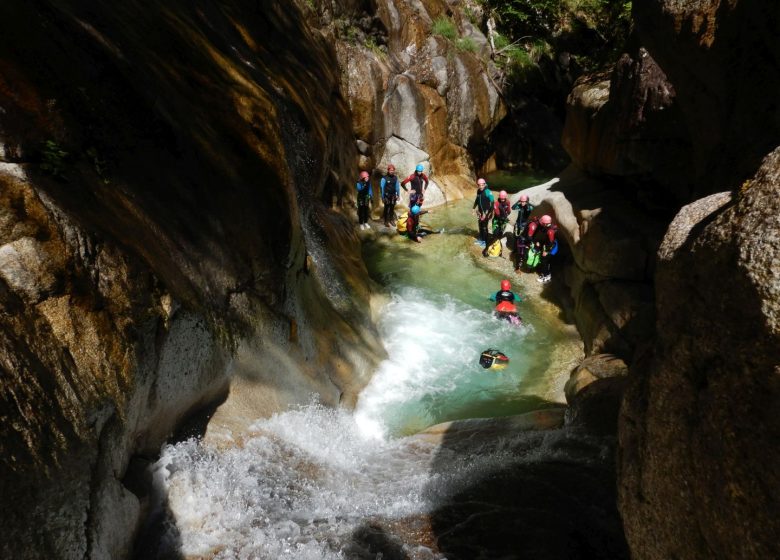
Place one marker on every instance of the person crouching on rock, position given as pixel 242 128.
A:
pixel 390 194
pixel 363 187
pixel 413 223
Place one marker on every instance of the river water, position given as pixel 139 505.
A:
pixel 318 483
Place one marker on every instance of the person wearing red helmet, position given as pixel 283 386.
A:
pixel 541 233
pixel 505 300
pixel 363 187
pixel 391 192
pixel 505 293
pixel 524 209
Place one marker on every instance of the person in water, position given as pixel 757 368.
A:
pixel 483 210
pixel 363 187
pixel 418 183
pixel 413 223
pixel 391 192
pixel 524 209
pixel 541 234
pixel 505 294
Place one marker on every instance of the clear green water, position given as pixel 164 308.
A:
pixel 437 323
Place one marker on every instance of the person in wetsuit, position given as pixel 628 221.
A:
pixel 483 210
pixel 418 183
pixel 363 187
pixel 524 209
pixel 391 192
pixel 541 234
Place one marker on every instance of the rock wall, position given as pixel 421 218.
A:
pixel 699 426
pixel 416 96
pixel 166 173
pixel 720 55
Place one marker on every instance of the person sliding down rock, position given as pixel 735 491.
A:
pixel 483 210
pixel 541 234
pixel 413 223
pixel 418 182
pixel 524 208
pixel 363 187
pixel 390 194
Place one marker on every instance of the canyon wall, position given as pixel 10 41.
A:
pixel 166 179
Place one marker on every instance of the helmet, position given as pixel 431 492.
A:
pixel 364 175
pixel 502 194
pixel 419 167
pixel 545 220
pixel 481 182
pixel 523 198
pixel 415 210
pixel 390 167
pixel 505 285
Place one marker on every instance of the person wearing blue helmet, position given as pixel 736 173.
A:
pixel 418 181
pixel 413 223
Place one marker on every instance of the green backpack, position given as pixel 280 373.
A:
pixel 533 258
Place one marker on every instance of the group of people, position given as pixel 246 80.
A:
pixel 534 237
pixel 535 241
pixel 390 191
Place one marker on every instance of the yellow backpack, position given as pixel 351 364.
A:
pixel 400 225
pixel 494 249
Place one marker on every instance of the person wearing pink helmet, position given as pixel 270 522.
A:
pixel 541 233
pixel 501 212
pixel 483 209
pixel 363 187
pixel 391 192
pixel 524 209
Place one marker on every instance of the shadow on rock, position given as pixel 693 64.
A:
pixel 547 494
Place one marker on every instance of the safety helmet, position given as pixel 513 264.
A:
pixel 545 220
pixel 523 198
pixel 481 182
pixel 419 167
pixel 505 285
pixel 502 194
pixel 415 209
pixel 364 175
pixel 390 167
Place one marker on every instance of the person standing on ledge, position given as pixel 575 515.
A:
pixel 390 194
pixel 542 236
pixel 418 182
pixel 483 210
pixel 363 187
pixel 524 209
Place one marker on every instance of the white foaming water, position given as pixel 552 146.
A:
pixel 299 487
pixel 303 483
pixel 433 343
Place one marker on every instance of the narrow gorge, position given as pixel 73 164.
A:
pixel 203 357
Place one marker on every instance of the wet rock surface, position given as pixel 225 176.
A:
pixel 165 191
